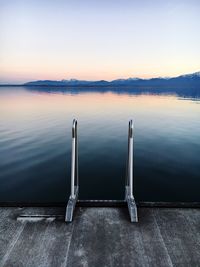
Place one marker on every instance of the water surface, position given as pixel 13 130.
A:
pixel 35 143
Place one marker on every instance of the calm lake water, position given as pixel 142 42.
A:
pixel 35 143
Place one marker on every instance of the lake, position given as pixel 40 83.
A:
pixel 35 143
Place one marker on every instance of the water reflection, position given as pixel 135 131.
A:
pixel 188 93
pixel 35 144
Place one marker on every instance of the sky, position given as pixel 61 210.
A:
pixel 93 40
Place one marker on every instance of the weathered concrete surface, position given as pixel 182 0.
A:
pixel 99 237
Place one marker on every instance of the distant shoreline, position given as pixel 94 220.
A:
pixel 106 86
pixel 192 79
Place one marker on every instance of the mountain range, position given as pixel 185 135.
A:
pixel 182 80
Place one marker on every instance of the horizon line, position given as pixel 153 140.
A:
pixel 74 79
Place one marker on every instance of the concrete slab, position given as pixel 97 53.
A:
pixel 99 237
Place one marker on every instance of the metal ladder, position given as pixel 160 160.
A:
pixel 129 198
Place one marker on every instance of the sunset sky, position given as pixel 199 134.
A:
pixel 91 40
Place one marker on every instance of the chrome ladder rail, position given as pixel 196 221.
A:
pixel 129 198
pixel 74 175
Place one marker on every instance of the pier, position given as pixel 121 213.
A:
pixel 99 237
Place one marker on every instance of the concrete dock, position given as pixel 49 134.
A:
pixel 98 237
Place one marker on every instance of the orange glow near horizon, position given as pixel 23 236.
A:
pixel 26 76
pixel 35 102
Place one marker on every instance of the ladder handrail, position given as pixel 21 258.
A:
pixel 129 198
pixel 74 159
pixel 74 175
pixel 129 179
